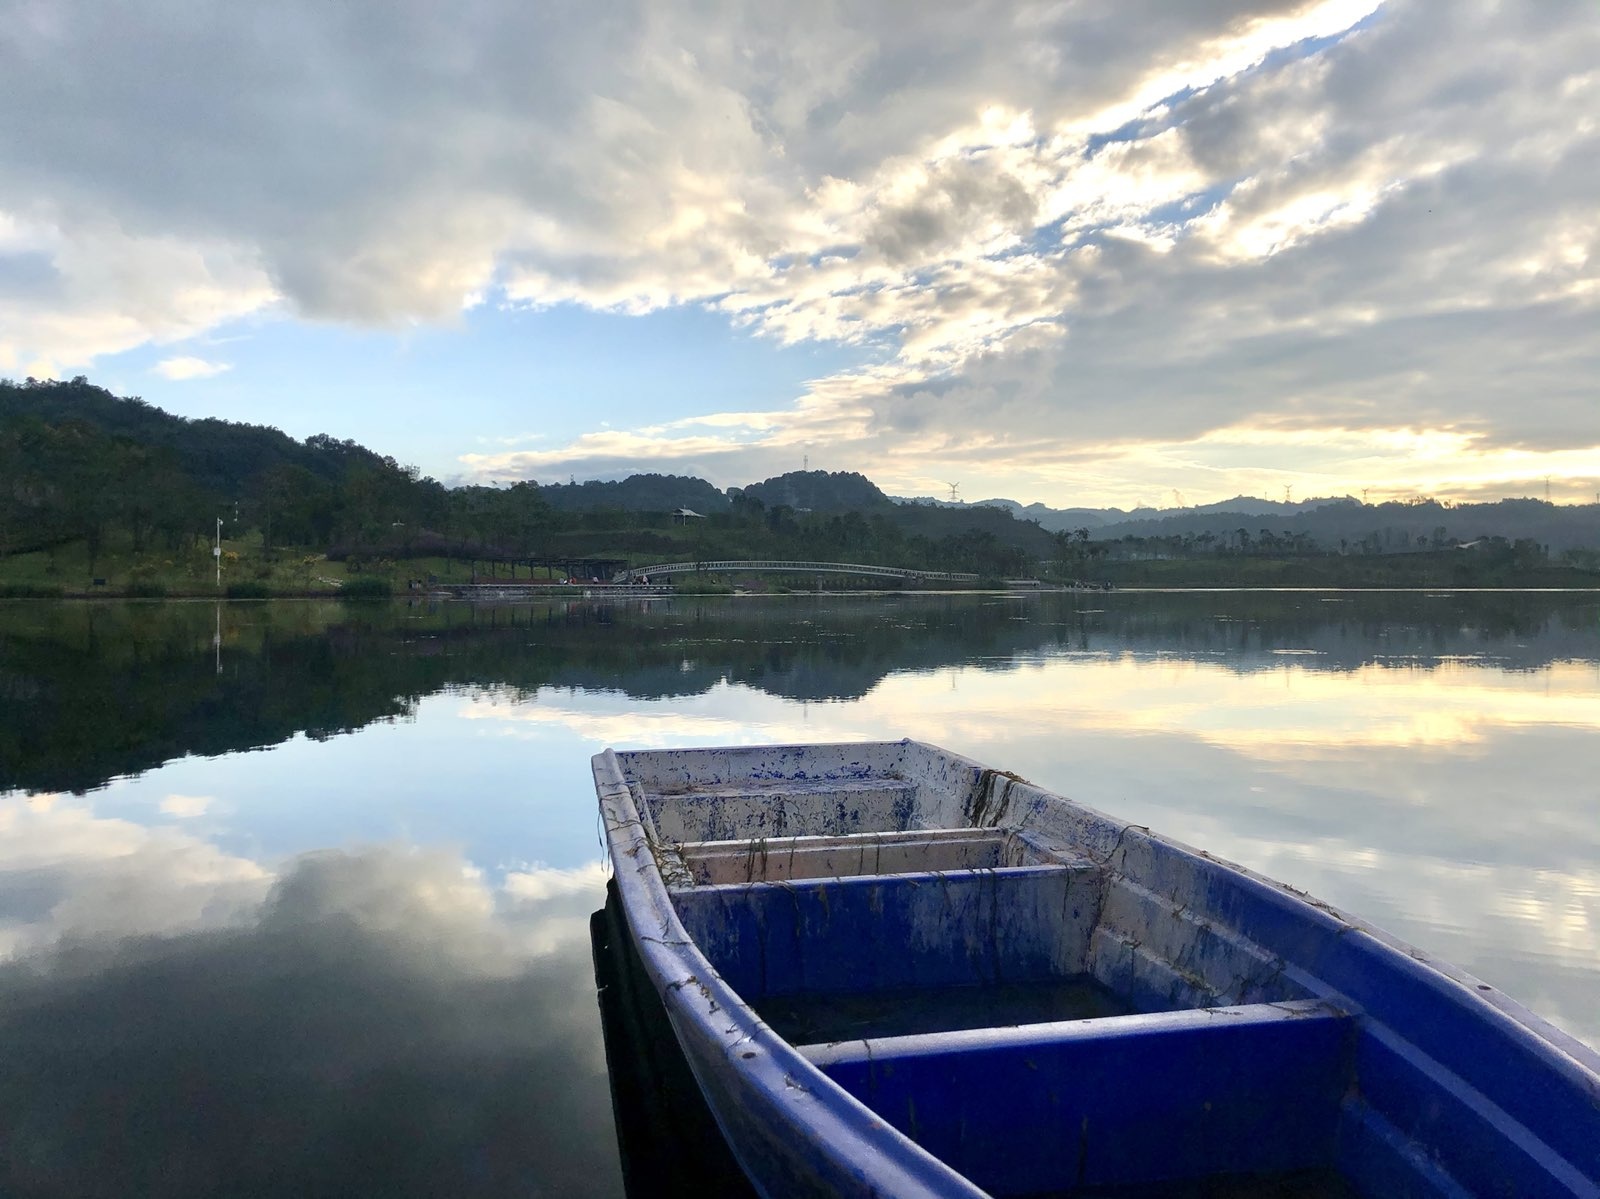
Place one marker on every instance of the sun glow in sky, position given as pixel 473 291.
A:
pixel 1086 254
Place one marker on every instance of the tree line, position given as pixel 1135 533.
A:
pixel 78 464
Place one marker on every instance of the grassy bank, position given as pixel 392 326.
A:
pixel 1447 568
pixel 248 570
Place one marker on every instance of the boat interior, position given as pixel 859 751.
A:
pixel 1052 1003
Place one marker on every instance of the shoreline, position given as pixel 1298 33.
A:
pixel 491 593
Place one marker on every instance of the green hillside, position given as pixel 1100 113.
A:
pixel 100 494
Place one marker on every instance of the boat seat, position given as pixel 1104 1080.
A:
pixel 774 859
pixel 784 808
pixel 878 932
pixel 1257 1089
pixel 1131 1099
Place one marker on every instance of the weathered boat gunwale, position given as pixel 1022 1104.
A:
pixel 785 1107
pixel 1417 1013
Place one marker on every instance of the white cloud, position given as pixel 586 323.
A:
pixel 71 290
pixel 189 368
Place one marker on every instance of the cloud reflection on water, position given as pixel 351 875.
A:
pixel 66 872
pixel 378 1022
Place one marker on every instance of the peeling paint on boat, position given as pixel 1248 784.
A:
pixel 1268 1031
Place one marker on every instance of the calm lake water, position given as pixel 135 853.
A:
pixel 294 896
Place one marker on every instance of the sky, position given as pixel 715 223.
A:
pixel 1076 252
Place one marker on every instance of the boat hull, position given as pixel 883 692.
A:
pixel 1259 1032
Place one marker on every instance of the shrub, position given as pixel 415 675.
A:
pixel 31 591
pixel 145 589
pixel 247 589
pixel 700 586
pixel 366 587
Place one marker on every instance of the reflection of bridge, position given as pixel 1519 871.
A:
pixel 817 568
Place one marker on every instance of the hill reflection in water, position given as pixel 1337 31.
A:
pixel 90 691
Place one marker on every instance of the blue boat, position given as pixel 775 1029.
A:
pixel 896 972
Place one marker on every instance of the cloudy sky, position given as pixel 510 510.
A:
pixel 1077 252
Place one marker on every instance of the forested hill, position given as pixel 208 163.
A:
pixel 819 491
pixel 218 455
pixel 636 493
pixel 799 491
pixel 76 462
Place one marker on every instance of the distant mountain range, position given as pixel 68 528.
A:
pixel 1342 522
pixel 1332 522
pixel 846 491
pixel 1096 519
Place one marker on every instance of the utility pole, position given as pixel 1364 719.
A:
pixel 216 552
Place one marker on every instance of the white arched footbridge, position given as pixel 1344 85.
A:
pixel 819 568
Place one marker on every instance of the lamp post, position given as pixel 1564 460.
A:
pixel 216 552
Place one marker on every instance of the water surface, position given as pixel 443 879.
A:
pixel 293 896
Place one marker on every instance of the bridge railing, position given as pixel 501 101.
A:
pixel 770 564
